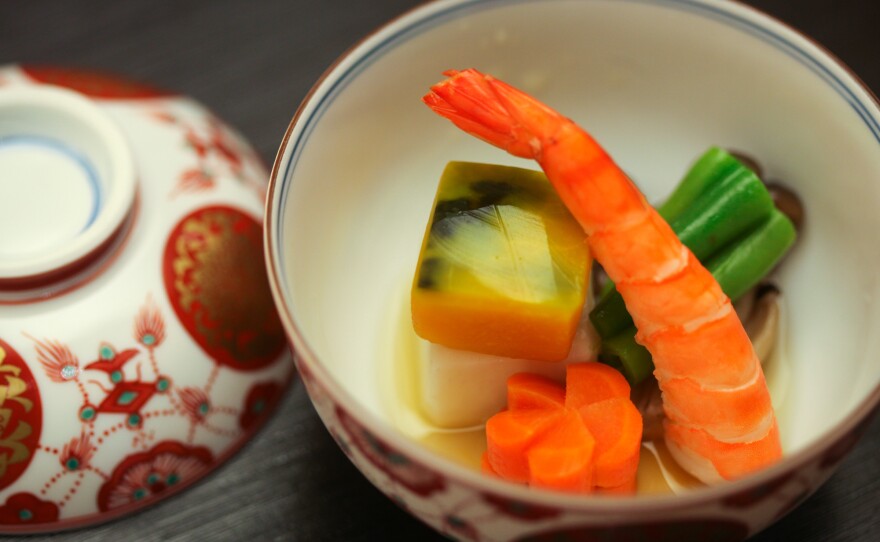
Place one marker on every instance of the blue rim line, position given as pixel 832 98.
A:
pixel 694 6
pixel 789 48
pixel 81 160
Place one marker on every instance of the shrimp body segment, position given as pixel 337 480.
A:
pixel 719 419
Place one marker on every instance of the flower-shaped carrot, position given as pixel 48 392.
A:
pixel 581 438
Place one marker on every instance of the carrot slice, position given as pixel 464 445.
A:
pixel 562 458
pixel 486 466
pixel 583 438
pixel 616 424
pixel 510 433
pixel 590 382
pixel 529 390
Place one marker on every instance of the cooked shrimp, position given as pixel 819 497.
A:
pixel 719 420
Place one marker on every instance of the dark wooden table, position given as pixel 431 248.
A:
pixel 252 62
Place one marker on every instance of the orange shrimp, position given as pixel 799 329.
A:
pixel 719 419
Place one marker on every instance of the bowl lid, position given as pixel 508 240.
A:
pixel 68 183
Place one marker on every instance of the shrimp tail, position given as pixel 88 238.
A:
pixel 492 111
pixel 516 122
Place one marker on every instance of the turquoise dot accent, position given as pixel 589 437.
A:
pixel 152 479
pixel 116 376
pixel 172 479
pixel 204 408
pixel 140 493
pixel 25 515
pixel 72 463
pixel 134 420
pixel 87 413
pixel 68 372
pixel 259 406
pixel 106 352
pixel 396 459
pixel 162 384
pixel 456 521
pixel 126 398
pixel 148 339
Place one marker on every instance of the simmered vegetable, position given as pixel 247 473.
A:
pixel 504 267
pixel 583 438
pixel 733 227
pixel 720 423
pixel 733 201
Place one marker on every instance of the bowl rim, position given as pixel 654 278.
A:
pixel 116 192
pixel 406 22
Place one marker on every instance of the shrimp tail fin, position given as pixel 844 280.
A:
pixel 492 111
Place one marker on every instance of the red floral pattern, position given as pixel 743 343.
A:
pixel 415 477
pixel 119 376
pixel 129 402
pixel 716 530
pixel 194 180
pixel 219 153
pixel 144 476
pixel 260 402
pixel 451 508
pixel 109 360
pixel 149 326
pixel 77 454
pixel 26 509
pixel 195 403
pixel 455 527
pixel 835 454
pixel 94 84
pixel 520 510
pixel 755 495
pixel 59 363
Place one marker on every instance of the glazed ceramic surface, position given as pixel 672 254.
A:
pixel 139 346
pixel 657 82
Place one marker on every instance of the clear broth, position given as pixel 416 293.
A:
pixel 658 472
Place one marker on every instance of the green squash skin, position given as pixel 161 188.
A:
pixel 518 218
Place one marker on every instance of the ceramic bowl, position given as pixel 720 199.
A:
pixel 139 346
pixel 657 82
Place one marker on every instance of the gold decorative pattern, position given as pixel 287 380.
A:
pixel 216 278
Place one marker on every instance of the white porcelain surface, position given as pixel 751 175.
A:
pixel 657 82
pixel 130 370
pixel 70 174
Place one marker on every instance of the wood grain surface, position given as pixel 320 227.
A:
pixel 252 62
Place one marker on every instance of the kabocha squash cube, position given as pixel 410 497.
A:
pixel 504 268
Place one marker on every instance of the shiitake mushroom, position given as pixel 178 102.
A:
pixel 788 202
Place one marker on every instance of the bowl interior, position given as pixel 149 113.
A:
pixel 656 82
